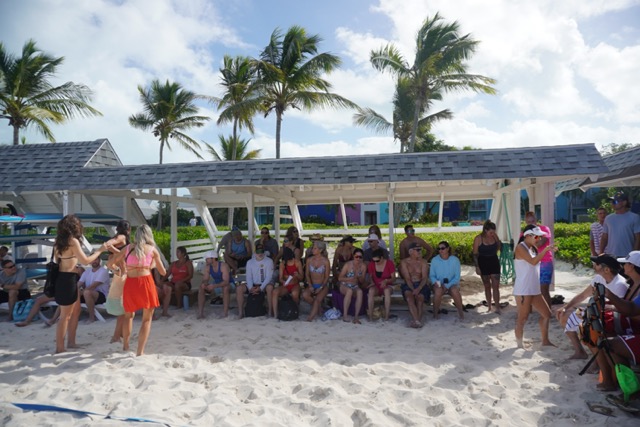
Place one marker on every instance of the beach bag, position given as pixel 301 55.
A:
pixel 255 305
pixel 52 275
pixel 287 309
pixel 332 314
pixel 592 328
pixel 114 298
pixel 628 380
pixel 21 310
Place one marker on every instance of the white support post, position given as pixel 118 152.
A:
pixel 251 220
pixel 547 206
pixel 295 213
pixel 173 220
pixel 513 206
pixel 209 223
pixel 126 208
pixel 65 203
pixel 343 211
pixel 276 220
pixel 390 200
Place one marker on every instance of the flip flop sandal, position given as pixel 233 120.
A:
pixel 600 409
pixel 469 307
pixel 618 401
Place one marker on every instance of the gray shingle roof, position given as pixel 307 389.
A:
pixel 55 167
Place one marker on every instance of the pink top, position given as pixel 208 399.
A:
pixel 548 257
pixel 389 269
pixel 133 261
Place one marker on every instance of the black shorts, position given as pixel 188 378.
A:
pixel 23 294
pixel 101 299
pixel 489 265
pixel 66 289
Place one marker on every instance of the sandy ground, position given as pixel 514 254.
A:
pixel 229 372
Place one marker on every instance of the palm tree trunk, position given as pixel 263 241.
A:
pixel 159 223
pixel 414 126
pixel 278 127
pixel 235 140
pixel 16 134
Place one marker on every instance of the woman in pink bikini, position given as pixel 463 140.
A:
pixel 139 289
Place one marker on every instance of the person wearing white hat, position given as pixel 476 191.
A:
pixel 626 345
pixel 216 278
pixel 607 269
pixel 526 288
pixel 374 244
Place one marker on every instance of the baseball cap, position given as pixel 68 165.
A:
pixel 259 248
pixel 348 239
pixel 535 231
pixel 633 258
pixel 619 196
pixel 415 246
pixel 374 237
pixel 607 260
pixel 211 254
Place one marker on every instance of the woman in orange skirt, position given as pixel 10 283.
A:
pixel 139 288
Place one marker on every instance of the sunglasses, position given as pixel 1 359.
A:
pixel 442 248
pixel 295 231
pixel 285 241
pixel 264 232
pixel 358 256
pixel 9 266
pixel 412 231
pixel 615 201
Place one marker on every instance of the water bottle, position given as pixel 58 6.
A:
pixel 185 302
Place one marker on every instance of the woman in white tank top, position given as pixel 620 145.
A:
pixel 526 288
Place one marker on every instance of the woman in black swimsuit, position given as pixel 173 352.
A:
pixel 68 252
pixel 485 256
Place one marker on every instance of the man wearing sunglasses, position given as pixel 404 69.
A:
pixel 621 229
pixel 412 240
pixel 269 244
pixel 14 285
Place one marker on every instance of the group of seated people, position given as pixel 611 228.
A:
pixel 620 339
pixel 359 275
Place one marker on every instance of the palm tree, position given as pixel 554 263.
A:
pixel 169 110
pixel 289 76
pixel 438 65
pixel 403 114
pixel 233 149
pixel 240 100
pixel 27 97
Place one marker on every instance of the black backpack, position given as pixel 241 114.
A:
pixel 287 308
pixel 255 305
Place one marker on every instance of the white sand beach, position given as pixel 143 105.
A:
pixel 259 371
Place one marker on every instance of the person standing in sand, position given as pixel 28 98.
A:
pixel 139 289
pixel 486 246
pixel 526 288
pixel 68 253
pixel 114 298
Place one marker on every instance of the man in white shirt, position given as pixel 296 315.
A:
pixel 607 269
pixel 94 287
pixel 259 279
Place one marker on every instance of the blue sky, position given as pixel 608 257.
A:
pixel 566 71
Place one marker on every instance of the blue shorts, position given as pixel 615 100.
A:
pixel 218 291
pixel 425 292
pixel 316 287
pixel 546 273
